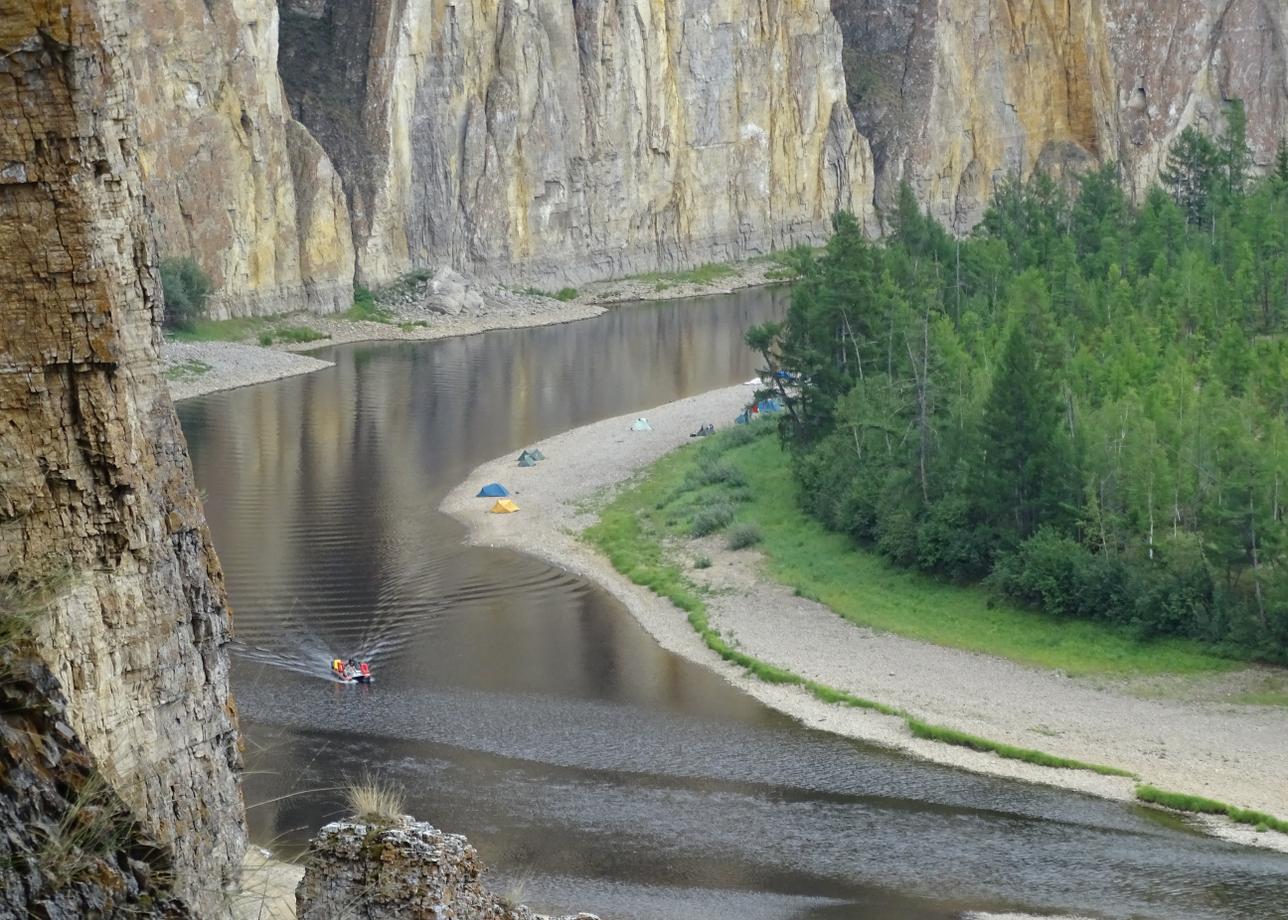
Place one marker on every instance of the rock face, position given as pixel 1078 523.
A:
pixel 233 181
pixel 562 140
pixel 407 871
pixel 559 141
pixel 71 849
pixel 957 94
pixel 97 502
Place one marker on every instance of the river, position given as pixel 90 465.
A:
pixel 524 707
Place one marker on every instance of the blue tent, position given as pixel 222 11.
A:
pixel 744 418
pixel 770 405
pixel 493 490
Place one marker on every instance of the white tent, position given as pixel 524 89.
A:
pixel 641 424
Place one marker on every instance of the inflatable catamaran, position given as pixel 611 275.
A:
pixel 350 672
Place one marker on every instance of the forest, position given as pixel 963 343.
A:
pixel 1084 404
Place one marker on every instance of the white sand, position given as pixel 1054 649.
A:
pixel 1229 752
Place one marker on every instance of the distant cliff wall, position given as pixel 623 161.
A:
pixel 955 95
pixel 558 141
pixel 233 182
pixel 97 502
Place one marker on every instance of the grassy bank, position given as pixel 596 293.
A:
pixel 258 329
pixel 680 495
pixel 863 588
pixel 739 477
pixel 1195 804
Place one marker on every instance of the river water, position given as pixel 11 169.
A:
pixel 525 708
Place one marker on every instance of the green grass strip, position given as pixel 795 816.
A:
pixel 629 534
pixel 975 743
pixel 1180 801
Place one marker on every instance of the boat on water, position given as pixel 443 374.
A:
pixel 351 672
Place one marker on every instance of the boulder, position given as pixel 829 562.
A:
pixel 405 870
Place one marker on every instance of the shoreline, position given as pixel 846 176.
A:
pixel 590 462
pixel 199 368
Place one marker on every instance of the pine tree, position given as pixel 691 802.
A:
pixel 1190 173
pixel 1024 465
pixel 1233 154
pixel 1281 161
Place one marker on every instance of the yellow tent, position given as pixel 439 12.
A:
pixel 504 506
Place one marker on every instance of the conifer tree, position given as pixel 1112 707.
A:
pixel 1190 173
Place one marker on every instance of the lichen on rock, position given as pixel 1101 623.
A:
pixel 403 870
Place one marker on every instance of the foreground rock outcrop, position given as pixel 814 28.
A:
pixel 559 141
pixel 406 870
pixel 956 95
pixel 98 509
pixel 71 848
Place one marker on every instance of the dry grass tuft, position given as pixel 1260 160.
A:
pixel 375 801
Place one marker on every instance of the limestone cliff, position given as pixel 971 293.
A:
pixel 233 181
pixel 97 502
pixel 957 94
pixel 561 141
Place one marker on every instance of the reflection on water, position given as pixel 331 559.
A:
pixel 525 708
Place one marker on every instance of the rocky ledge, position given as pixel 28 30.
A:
pixel 406 870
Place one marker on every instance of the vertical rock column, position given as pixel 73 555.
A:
pixel 97 501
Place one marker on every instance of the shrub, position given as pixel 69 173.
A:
pixel 566 294
pixel 744 535
pixel 365 308
pixel 298 334
pixel 739 435
pixel 374 801
pixel 710 472
pixel 948 541
pixel 711 519
pixel 184 289
pixel 266 339
pixel 702 562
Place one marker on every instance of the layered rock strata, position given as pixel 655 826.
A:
pixel 71 848
pixel 97 502
pixel 956 95
pixel 401 871
pixel 562 141
pixel 234 182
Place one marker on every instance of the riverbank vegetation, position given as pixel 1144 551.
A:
pixel 662 508
pixel 1179 801
pixel 1081 406
pixel 185 287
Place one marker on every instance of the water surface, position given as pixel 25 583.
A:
pixel 525 708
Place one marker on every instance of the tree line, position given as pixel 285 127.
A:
pixel 1084 403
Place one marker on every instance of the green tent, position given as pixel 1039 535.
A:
pixel 526 460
